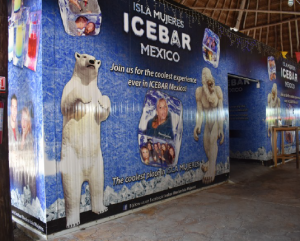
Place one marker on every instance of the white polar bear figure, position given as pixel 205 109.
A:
pixel 83 108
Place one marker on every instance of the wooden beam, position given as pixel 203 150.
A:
pixel 270 25
pixel 256 12
pixel 222 11
pixel 246 15
pixel 255 19
pixel 205 5
pixel 260 35
pixel 291 41
pixel 281 37
pixel 275 36
pixel 297 35
pixel 239 18
pixel 246 10
pixel 297 31
pixel 228 14
pixel 212 16
pixel 267 37
pixel 281 42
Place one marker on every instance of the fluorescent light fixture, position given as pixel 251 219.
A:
pixel 234 29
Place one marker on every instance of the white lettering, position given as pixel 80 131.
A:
pixel 134 21
pixel 151 30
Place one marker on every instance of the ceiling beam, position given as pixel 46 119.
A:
pixel 228 12
pixel 212 16
pixel 221 11
pixel 244 25
pixel 239 18
pixel 267 37
pixel 291 41
pixel 204 8
pixel 270 25
pixel 245 10
pixel 260 35
pixel 275 33
pixel 297 32
pixel 255 19
pixel 297 35
pixel 281 41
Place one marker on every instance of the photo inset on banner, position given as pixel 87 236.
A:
pixel 24 34
pixel 81 17
pixel 160 129
pixel 211 48
pixel 21 154
pixel 271 68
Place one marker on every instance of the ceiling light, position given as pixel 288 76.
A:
pixel 290 3
pixel 234 29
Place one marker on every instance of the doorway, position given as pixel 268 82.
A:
pixel 246 119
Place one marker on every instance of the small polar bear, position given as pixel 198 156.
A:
pixel 83 108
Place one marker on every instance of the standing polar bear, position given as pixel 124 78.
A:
pixel 83 108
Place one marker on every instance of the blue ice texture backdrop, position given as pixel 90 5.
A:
pixel 42 90
pixel 119 132
pixel 27 86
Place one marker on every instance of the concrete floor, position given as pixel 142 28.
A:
pixel 258 203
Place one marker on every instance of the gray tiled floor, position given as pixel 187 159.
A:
pixel 258 203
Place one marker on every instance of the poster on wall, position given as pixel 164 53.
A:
pixel 24 33
pixel 211 47
pixel 112 120
pixel 283 100
pixel 127 115
pixel 124 117
pixel 160 129
pixel 271 68
pixel 25 113
pixel 80 18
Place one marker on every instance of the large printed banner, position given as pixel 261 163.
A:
pixel 128 106
pixel 26 164
pixel 283 99
pixel 254 109
pixel 139 110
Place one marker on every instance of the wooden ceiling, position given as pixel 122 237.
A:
pixel 272 22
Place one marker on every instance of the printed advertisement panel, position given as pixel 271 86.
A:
pixel 137 108
pixel 129 107
pixel 25 107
